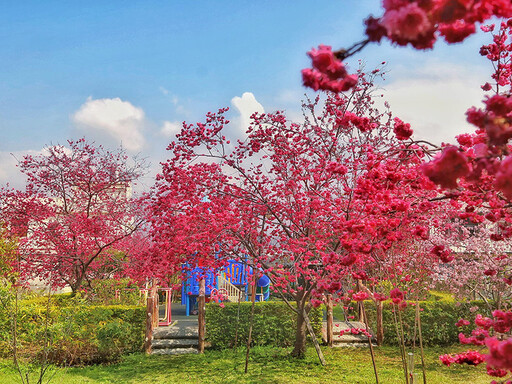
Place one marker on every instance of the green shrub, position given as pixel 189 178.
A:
pixel 274 324
pixel 6 309
pixel 80 334
pixel 438 318
pixel 97 334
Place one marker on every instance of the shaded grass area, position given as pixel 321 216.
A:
pixel 267 365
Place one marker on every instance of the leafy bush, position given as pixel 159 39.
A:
pixel 78 333
pixel 96 334
pixel 438 318
pixel 6 307
pixel 274 324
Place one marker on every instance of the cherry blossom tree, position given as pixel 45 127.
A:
pixel 305 203
pixel 480 268
pixel 76 209
pixel 476 173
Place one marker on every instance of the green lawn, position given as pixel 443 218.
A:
pixel 267 365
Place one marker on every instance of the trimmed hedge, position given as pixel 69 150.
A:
pixel 96 334
pixel 274 324
pixel 438 318
pixel 78 334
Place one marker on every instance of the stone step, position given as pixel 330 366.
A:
pixel 182 332
pixel 352 345
pixel 174 351
pixel 349 338
pixel 174 343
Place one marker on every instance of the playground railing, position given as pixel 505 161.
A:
pixel 231 292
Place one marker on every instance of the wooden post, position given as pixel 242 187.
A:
pixel 154 295
pixel 149 324
pixel 329 309
pixel 201 314
pixel 253 291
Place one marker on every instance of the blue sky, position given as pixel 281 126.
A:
pixel 131 71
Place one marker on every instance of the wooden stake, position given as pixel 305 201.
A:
pixel 402 340
pixel 370 343
pixel 380 322
pixel 401 344
pixel 249 337
pixel 418 317
pixel 313 337
pixel 237 321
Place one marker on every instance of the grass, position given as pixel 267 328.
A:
pixel 267 365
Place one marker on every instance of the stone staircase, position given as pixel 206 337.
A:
pixel 347 339
pixel 177 339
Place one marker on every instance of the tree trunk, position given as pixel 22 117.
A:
pixel 299 349
pixel 380 323
pixel 359 303
pixel 150 308
pixel 76 285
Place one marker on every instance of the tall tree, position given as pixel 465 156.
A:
pixel 76 209
pixel 308 203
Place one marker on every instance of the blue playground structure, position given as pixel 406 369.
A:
pixel 232 282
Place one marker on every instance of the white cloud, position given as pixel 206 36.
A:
pixel 170 128
pixel 246 106
pixel 115 118
pixel 435 97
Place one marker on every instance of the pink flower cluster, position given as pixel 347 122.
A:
pixel 328 72
pixel 500 353
pixel 420 22
pixel 360 296
pixel 356 331
pixel 477 337
pixel 499 357
pixel 396 295
pixel 402 130
pixel 442 252
pixel 468 357
pixel 462 323
pixel 447 168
